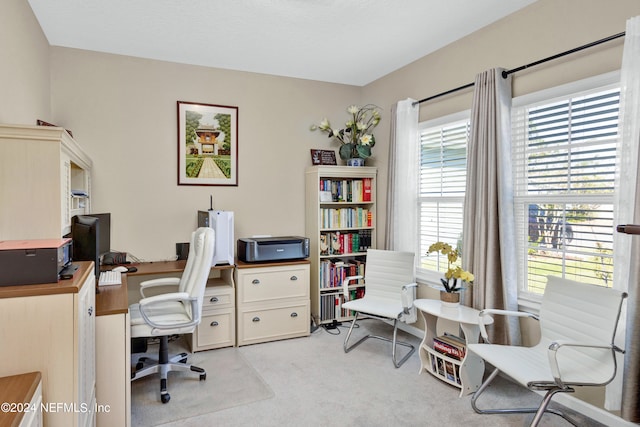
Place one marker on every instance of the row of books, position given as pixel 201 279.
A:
pixel 333 273
pixel 347 190
pixel 345 218
pixel 331 305
pixel 445 369
pixel 337 243
pixel 450 345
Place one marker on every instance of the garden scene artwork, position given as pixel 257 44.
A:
pixel 207 144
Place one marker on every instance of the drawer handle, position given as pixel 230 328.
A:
pixel 214 323
pixel 293 278
pixel 255 319
pixel 294 314
pixel 255 281
pixel 214 299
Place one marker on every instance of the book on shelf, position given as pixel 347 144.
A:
pixel 450 347
pixel 341 243
pixel 347 190
pixel 366 189
pixel 334 272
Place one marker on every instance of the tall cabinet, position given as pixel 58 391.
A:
pixel 50 328
pixel 46 179
pixel 341 226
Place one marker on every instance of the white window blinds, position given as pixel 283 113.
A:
pixel 564 166
pixel 443 162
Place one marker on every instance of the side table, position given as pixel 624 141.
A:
pixel 465 374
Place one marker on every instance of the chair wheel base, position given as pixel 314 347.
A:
pixel 165 397
pixel 203 377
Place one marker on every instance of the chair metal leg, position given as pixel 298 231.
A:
pixel 539 411
pixel 163 366
pixel 393 341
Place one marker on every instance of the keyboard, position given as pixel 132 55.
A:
pixel 110 278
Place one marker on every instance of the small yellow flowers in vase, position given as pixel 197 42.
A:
pixel 455 277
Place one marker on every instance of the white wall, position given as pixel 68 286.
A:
pixel 122 110
pixel 24 67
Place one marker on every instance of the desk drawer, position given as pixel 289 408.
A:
pixel 273 283
pixel 216 330
pixel 216 297
pixel 270 324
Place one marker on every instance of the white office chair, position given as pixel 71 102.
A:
pixel 389 295
pixel 578 325
pixel 177 312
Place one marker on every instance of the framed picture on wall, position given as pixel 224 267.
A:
pixel 207 144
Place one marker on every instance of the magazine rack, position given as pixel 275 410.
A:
pixel 465 372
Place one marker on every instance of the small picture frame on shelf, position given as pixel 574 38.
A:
pixel 323 157
pixel 326 196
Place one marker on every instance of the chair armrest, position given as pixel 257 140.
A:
pixel 552 354
pixel 345 285
pixel 408 296
pixel 154 283
pixel 149 302
pixel 487 312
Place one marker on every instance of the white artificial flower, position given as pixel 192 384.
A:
pixel 360 126
pixel 353 109
pixel 365 139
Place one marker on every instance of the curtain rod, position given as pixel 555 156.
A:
pixel 506 73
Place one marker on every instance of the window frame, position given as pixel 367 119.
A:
pixel 526 300
pixel 530 300
pixel 423 275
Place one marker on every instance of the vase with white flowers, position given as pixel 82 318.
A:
pixel 356 137
pixel 455 277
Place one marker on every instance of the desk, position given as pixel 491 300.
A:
pixel 50 328
pixel 113 356
pixel 217 328
pixel 19 390
pixel 465 374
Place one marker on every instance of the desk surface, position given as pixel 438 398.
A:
pixel 17 389
pixel 113 299
pixel 164 267
pixel 69 286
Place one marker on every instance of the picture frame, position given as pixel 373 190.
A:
pixel 207 144
pixel 323 157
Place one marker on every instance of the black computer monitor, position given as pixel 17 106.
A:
pixel 104 232
pixel 85 232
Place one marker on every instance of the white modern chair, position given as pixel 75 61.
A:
pixel 171 313
pixel 578 325
pixel 389 295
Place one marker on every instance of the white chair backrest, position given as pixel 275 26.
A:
pixel 188 268
pixel 201 253
pixel 387 271
pixel 579 312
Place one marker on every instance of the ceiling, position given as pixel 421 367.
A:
pixel 341 41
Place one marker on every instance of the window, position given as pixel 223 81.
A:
pixel 443 163
pixel 564 150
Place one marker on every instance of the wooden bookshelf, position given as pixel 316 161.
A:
pixel 341 226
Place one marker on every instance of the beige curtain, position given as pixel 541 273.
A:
pixel 489 245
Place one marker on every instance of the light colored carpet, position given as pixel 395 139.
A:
pixel 231 381
pixel 315 383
